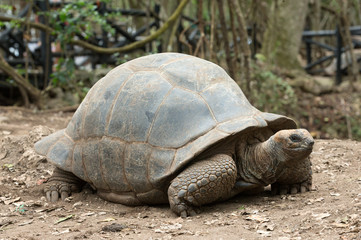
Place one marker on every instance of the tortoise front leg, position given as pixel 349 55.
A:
pixel 203 182
pixel 62 184
pixel 296 178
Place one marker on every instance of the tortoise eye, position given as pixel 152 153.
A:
pixel 295 138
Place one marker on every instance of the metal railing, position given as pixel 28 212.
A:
pixel 308 38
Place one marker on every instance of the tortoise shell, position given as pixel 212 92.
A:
pixel 148 118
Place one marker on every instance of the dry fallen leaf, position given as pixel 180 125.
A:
pixel 62 232
pixel 107 220
pixel 257 218
pixel 7 202
pixel 321 215
pixel 270 227
pixel 3 153
pixel 77 204
pixel 26 223
pixel 88 214
pixel 175 226
pixel 340 225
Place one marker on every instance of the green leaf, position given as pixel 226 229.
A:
pixel 62 16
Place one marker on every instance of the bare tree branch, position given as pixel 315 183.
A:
pixel 243 41
pixel 102 50
pixel 23 84
pixel 225 39
pixel 213 17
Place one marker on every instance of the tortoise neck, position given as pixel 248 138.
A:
pixel 260 163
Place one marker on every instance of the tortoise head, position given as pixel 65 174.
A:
pixel 294 143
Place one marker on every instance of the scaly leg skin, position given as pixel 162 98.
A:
pixel 62 184
pixel 206 181
pixel 295 179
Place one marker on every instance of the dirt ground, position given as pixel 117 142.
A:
pixel 331 211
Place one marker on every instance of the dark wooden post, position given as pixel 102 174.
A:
pixel 338 56
pixel 45 49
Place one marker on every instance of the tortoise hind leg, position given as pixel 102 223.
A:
pixel 62 184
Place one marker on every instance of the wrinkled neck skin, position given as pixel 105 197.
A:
pixel 260 163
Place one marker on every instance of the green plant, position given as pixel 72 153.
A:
pixel 355 122
pixel 64 70
pixel 270 92
pixel 78 18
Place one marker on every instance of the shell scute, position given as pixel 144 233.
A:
pixel 135 166
pixel 227 102
pixel 111 154
pixel 77 167
pixel 182 116
pixel 91 117
pixel 159 165
pixel 193 74
pixel 92 163
pixel 136 106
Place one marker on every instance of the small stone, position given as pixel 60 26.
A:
pixel 114 227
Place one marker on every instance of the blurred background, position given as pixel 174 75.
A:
pixel 297 58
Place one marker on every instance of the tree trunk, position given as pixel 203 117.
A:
pixel 347 39
pixel 243 35
pixel 283 36
pixel 168 41
pixel 224 30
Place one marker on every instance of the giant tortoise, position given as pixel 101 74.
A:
pixel 174 128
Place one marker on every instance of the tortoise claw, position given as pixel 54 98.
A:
pixel 54 196
pixel 48 195
pixel 64 195
pixel 183 214
pixel 284 189
pixel 56 190
pixel 61 184
pixel 190 212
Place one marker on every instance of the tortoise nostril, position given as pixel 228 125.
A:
pixel 311 143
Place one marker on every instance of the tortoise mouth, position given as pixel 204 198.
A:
pixel 302 148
